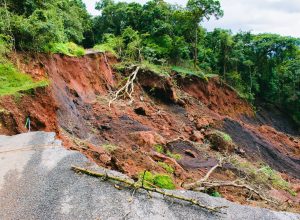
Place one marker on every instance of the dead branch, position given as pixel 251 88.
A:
pixel 199 183
pixel 137 186
pixel 234 184
pixel 128 88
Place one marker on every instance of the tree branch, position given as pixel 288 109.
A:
pixel 136 186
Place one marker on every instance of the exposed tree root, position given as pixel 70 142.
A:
pixel 137 186
pixel 128 88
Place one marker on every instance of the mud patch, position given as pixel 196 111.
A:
pixel 192 158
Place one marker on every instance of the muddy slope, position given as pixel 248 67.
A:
pixel 173 112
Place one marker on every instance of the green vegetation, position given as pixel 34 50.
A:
pixel 159 148
pixel 216 194
pixel 12 81
pixel 109 148
pixel 167 167
pixel 224 136
pixel 163 38
pixel 157 180
pixel 69 49
pixel 263 175
pixel 174 156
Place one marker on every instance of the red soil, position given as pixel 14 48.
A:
pixel 76 107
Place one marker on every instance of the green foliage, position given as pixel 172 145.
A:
pixel 167 167
pixel 216 194
pixel 263 175
pixel 224 136
pixel 174 156
pixel 69 49
pixel 157 180
pixel 187 72
pixel 35 24
pixel 159 148
pixel 13 82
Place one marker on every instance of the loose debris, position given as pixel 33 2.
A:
pixel 137 185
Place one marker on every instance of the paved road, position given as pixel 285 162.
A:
pixel 36 183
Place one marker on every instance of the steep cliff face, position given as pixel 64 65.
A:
pixel 169 116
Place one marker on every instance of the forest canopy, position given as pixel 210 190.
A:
pixel 261 67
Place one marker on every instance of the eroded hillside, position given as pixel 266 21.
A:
pixel 180 126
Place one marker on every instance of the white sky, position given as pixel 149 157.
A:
pixel 272 16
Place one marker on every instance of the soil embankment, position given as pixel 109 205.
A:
pixel 177 115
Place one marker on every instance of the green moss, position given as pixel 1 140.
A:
pixel 216 194
pixel 167 167
pixel 163 181
pixel 69 49
pixel 13 81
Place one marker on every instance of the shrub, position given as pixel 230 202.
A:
pixel 105 48
pixel 69 49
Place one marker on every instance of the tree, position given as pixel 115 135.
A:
pixel 199 9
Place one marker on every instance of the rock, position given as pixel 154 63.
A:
pixel 203 123
pixel 147 139
pixel 220 141
pixel 197 136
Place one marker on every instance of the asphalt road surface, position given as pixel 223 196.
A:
pixel 36 182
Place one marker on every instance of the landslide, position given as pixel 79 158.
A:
pixel 173 120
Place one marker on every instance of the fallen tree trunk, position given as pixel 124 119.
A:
pixel 137 186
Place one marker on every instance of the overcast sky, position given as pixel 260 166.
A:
pixel 273 16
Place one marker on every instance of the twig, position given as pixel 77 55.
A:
pixel 136 185
pixel 207 185
pixel 200 182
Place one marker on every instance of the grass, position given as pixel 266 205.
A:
pixel 109 148
pixel 163 181
pixel 167 167
pixel 105 48
pixel 224 136
pixel 70 49
pixel 160 149
pixel 13 81
pixel 263 175
pixel 174 156
pixel 185 72
pixel 157 69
